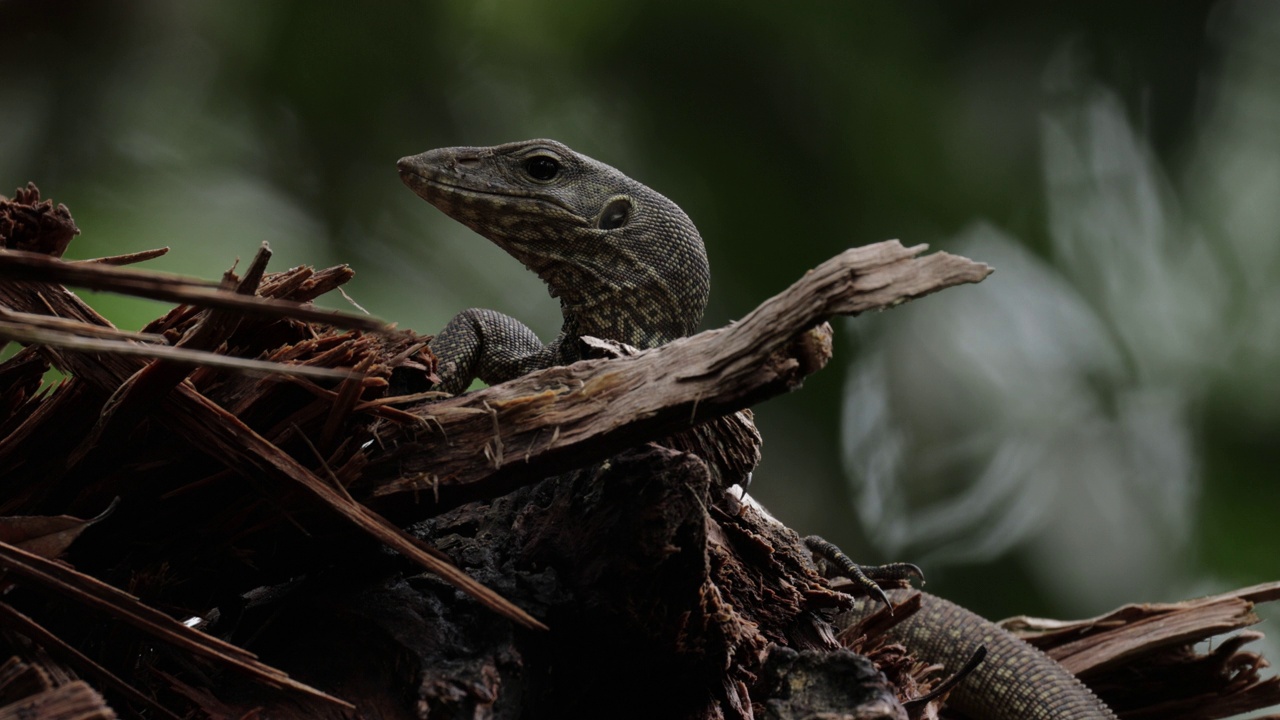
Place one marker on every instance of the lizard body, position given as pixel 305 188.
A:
pixel 628 265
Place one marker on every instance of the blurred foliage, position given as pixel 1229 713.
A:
pixel 788 135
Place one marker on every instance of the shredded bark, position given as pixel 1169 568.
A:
pixel 1138 652
pixel 28 690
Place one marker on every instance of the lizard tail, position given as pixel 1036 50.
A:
pixel 1014 682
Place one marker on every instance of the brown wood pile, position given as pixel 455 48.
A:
pixel 253 507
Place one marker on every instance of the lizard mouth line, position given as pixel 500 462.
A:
pixel 450 188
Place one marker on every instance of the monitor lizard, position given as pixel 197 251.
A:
pixel 628 265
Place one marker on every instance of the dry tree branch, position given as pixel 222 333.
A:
pixel 572 416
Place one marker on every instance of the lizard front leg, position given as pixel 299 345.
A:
pixel 485 344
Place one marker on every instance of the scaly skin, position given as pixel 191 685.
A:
pixel 628 265
pixel 1015 680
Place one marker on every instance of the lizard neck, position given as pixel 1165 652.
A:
pixel 644 295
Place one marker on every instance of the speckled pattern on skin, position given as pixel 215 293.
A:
pixel 1015 680
pixel 626 263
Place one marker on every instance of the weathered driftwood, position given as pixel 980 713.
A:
pixel 482 443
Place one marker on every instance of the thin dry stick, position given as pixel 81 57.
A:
pixel 90 591
pixel 34 267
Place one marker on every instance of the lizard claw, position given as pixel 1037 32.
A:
pixel 867 577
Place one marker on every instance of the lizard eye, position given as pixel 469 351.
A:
pixel 542 168
pixel 615 214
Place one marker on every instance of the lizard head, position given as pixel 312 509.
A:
pixel 626 262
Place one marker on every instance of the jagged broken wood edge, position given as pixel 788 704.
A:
pixel 1116 646
pixel 1104 641
pixel 487 442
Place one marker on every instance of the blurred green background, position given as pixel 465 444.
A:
pixel 1095 424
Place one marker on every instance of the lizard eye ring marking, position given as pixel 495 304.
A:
pixel 542 168
pixel 615 214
